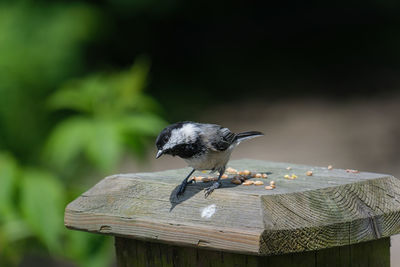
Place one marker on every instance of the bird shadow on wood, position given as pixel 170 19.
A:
pixel 195 188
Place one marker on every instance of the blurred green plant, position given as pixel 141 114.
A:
pixel 111 113
pixel 45 132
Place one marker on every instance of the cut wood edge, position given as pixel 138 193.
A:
pixel 225 239
pixel 374 222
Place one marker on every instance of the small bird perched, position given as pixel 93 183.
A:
pixel 202 146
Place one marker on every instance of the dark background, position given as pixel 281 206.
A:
pixel 220 51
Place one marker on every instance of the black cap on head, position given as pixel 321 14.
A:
pixel 165 134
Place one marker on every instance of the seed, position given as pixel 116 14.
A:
pixel 236 181
pixel 204 179
pixel 242 178
pixel 209 179
pixel 246 172
pixel 258 183
pixel 289 168
pixel 258 175
pixel 352 171
pixel 198 178
pixel 231 170
pixel 264 175
pixel 330 167
pixel 292 177
pixel 224 176
pixel 248 182
pixel 272 183
pixel 268 187
pixel 309 173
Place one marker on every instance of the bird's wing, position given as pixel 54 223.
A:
pixel 224 138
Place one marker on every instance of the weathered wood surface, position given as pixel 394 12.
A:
pixel 331 208
pixel 140 253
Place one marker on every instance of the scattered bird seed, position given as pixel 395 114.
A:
pixel 246 172
pixel 209 179
pixel 224 176
pixel 289 168
pixel 352 171
pixel 291 177
pixel 236 181
pixel 258 183
pixel 330 167
pixel 258 175
pixel 248 182
pixel 198 178
pixel 268 187
pixel 309 173
pixel 231 170
pixel 264 175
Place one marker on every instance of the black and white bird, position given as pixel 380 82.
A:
pixel 202 146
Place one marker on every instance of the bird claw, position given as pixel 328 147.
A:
pixel 209 190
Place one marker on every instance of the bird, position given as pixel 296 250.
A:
pixel 203 146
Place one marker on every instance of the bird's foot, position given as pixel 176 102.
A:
pixel 210 189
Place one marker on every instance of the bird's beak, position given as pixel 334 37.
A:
pixel 159 153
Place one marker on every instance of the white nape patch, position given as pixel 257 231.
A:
pixel 188 130
pixel 208 211
pixel 186 134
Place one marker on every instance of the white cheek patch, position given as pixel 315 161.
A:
pixel 208 211
pixel 186 134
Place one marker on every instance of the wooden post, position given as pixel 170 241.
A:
pixel 332 218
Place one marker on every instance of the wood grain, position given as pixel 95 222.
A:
pixel 331 208
pixel 139 253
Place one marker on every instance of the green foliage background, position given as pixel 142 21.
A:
pixel 59 121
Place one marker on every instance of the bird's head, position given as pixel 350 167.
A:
pixel 175 135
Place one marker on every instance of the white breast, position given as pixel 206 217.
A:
pixel 211 160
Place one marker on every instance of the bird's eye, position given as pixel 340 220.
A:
pixel 165 139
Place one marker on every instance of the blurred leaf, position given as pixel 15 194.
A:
pixel 69 97
pixel 88 249
pixel 106 94
pixel 15 229
pixel 104 145
pixel 67 140
pixel 8 173
pixel 102 256
pixel 142 124
pixel 129 84
pixel 42 204
pixel 41 46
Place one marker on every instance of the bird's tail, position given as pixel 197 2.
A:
pixel 247 135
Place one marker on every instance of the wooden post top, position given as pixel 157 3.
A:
pixel 330 208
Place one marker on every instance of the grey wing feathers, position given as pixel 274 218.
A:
pixel 224 139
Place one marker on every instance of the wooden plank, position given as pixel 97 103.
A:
pixel 331 208
pixel 140 253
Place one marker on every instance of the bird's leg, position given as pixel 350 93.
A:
pixel 215 185
pixel 182 187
